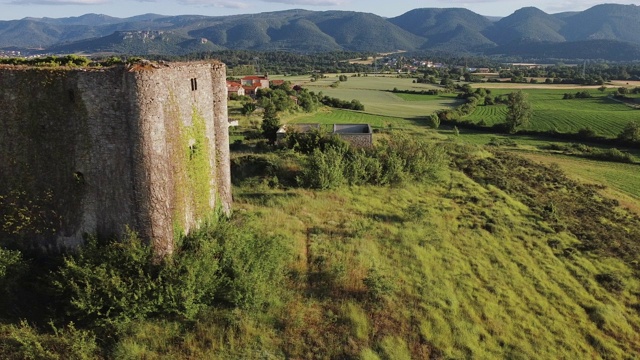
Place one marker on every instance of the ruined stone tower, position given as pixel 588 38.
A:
pixel 99 150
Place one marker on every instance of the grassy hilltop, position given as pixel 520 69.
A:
pixel 443 243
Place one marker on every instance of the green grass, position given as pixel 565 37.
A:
pixel 623 177
pixel 374 94
pixel 336 116
pixel 424 97
pixel 466 292
pixel 550 112
pixel 371 82
pixel 605 116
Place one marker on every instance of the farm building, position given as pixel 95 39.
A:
pixel 359 135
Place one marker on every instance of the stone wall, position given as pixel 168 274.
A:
pixel 358 135
pixel 358 140
pixel 96 151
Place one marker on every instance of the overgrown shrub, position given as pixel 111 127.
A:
pixel 112 283
pixel 631 132
pixel 12 267
pixel 325 169
pixel 107 285
pixel 23 341
pixel 434 121
pixel 362 168
pixel 252 265
pixel 422 160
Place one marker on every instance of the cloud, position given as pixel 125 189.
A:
pixel 308 2
pixel 216 3
pixel 59 2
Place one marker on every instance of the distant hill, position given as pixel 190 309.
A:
pixel 528 23
pixel 434 22
pixel 529 30
pixel 611 22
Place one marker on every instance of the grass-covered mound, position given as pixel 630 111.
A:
pixel 485 256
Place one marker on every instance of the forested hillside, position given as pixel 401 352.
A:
pixel 452 30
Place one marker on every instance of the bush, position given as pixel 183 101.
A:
pixel 586 133
pixel 631 132
pixel 325 169
pixel 252 265
pixel 434 121
pixel 363 168
pixel 12 269
pixel 110 284
pixel 422 160
pixel 25 342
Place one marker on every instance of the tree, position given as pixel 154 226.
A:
pixel 270 123
pixel 602 89
pixel 248 108
pixel 631 132
pixel 518 111
pixel 434 121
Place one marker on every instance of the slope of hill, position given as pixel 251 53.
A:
pixel 364 32
pixel 140 42
pixel 610 21
pixel 526 24
pixel 36 34
pixel 461 39
pixel 86 19
pixel 430 22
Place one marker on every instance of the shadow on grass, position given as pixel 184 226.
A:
pixel 267 199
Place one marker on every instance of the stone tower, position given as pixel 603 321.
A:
pixel 99 150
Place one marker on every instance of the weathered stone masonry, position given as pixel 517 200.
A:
pixel 94 151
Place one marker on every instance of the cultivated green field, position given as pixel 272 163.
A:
pixel 338 116
pixel 605 116
pixel 374 93
pixel 600 113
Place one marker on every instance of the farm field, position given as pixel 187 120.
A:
pixel 605 116
pixel 338 116
pixel 374 93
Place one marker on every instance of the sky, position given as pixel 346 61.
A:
pixel 18 9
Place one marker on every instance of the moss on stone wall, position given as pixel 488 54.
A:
pixel 192 167
pixel 197 163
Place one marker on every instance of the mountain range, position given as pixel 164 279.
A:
pixel 606 31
